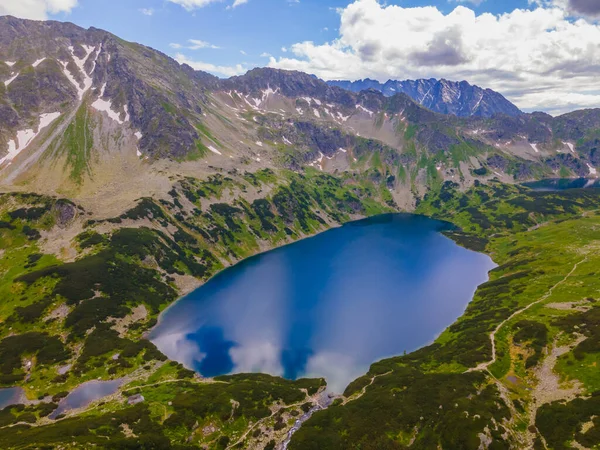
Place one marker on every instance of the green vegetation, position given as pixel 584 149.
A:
pixel 544 243
pixel 89 307
pixel 180 414
pixel 78 142
pixel 91 314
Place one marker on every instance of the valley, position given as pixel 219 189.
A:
pixel 152 178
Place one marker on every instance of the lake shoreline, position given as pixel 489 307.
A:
pixel 177 335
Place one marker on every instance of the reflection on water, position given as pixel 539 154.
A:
pixel 561 184
pixel 10 396
pixel 86 393
pixel 326 306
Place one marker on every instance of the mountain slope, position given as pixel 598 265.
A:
pixel 128 180
pixel 446 97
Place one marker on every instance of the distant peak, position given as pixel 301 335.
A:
pixel 459 98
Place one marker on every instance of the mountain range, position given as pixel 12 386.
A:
pixel 446 97
pixel 81 107
pixel 127 180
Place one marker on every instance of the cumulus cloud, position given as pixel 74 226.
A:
pixel 35 9
pixel 516 53
pixel 227 71
pixel 588 7
pixel 147 11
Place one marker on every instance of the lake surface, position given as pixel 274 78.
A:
pixel 10 396
pixel 86 393
pixel 326 306
pixel 561 184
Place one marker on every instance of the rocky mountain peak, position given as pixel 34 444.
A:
pixel 459 98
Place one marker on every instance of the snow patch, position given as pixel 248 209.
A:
pixel 534 147
pixel 267 92
pixel 138 153
pixel 477 105
pixel 106 106
pixel 571 146
pixel 342 117
pixel 127 114
pixel 214 150
pixel 343 150
pixel 316 113
pixel 47 118
pixel 38 62
pixel 80 63
pixel 286 141
pixel 10 80
pixel 138 135
pixel 362 108
pixel 300 111
pixel 24 137
pixel 260 144
pixel 10 63
pixel 318 162
pixel 592 169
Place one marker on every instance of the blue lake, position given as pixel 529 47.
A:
pixel 327 306
pixel 86 393
pixel 10 396
pixel 561 184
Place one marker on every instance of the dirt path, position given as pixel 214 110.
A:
pixel 548 388
pixel 314 399
pixel 364 389
pixel 486 365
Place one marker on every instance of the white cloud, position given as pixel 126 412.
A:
pixel 194 44
pixel 540 58
pixel 197 44
pixel 237 3
pixel 243 52
pixel 266 55
pixel 190 5
pixel 586 7
pixel 147 11
pixel 227 71
pixel 35 9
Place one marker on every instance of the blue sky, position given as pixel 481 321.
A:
pixel 256 28
pixel 541 54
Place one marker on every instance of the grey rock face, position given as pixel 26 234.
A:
pixel 160 97
pixel 446 97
